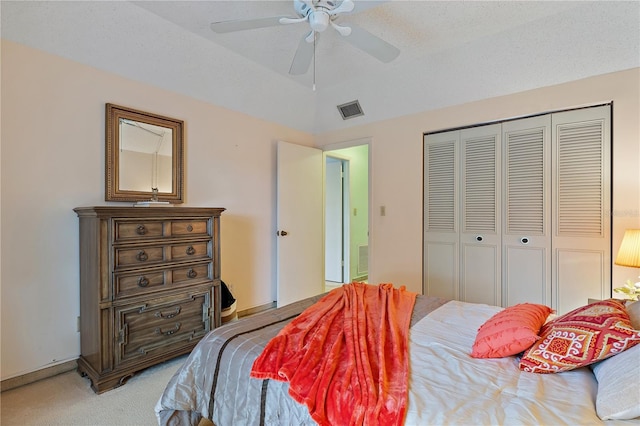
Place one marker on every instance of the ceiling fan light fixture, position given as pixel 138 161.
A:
pixel 319 20
pixel 350 110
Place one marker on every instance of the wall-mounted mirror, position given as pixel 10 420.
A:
pixel 144 157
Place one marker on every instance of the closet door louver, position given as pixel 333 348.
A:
pixel 480 245
pixel 579 180
pixel 440 262
pixel 441 188
pixel 526 235
pixel 581 242
pixel 479 195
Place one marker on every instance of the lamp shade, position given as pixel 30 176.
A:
pixel 629 253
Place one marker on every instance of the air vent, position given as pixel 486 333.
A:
pixel 350 110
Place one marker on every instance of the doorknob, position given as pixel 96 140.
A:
pixel 282 233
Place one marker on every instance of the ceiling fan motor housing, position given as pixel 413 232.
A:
pixel 316 11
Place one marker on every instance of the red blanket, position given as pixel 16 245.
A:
pixel 346 357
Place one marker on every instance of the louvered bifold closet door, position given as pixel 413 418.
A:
pixel 581 245
pixel 440 263
pixel 480 240
pixel 526 211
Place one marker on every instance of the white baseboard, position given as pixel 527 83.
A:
pixel 37 375
pixel 64 367
pixel 256 309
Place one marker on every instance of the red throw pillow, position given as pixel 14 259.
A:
pixel 581 337
pixel 510 331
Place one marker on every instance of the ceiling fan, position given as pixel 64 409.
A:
pixel 320 14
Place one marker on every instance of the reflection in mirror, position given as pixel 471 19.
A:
pixel 145 156
pixel 144 159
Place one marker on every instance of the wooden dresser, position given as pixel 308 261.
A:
pixel 149 287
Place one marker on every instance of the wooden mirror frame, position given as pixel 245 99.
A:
pixel 113 192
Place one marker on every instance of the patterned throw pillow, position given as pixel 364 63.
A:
pixel 510 331
pixel 581 337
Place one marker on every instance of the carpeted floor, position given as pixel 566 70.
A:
pixel 67 400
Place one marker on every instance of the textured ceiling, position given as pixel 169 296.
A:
pixel 451 51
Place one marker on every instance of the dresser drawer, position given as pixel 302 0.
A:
pixel 139 256
pixel 192 274
pixel 142 256
pixel 127 229
pixel 189 251
pixel 197 227
pixel 134 229
pixel 139 282
pixel 162 324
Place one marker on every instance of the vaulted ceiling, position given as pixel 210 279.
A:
pixel 452 52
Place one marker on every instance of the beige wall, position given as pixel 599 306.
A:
pixel 53 160
pixel 396 148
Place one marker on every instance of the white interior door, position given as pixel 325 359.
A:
pixel 334 221
pixel 480 239
pixel 581 167
pixel 441 229
pixel 526 206
pixel 300 240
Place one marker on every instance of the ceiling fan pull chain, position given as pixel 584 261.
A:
pixel 314 61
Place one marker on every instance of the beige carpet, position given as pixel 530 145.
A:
pixel 67 400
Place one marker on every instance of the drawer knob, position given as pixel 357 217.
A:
pixel 189 228
pixel 191 250
pixel 143 281
pixel 142 256
pixel 168 332
pixel 191 273
pixel 171 314
pixel 141 230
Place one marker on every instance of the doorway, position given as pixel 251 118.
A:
pixel 336 220
pixel 346 214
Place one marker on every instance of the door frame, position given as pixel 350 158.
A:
pixel 346 213
pixel 350 144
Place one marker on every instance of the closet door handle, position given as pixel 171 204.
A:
pixel 524 240
pixel 479 238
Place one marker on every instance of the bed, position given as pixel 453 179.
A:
pixel 445 384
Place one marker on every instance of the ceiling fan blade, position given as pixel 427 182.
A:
pixel 302 58
pixel 343 30
pixel 373 45
pixel 245 24
pixel 287 20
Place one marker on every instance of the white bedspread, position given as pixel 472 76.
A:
pixel 447 386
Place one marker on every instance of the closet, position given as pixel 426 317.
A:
pixel 518 211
